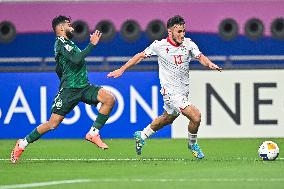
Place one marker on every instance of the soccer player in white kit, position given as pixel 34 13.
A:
pixel 174 55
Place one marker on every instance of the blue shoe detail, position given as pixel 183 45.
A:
pixel 196 151
pixel 139 142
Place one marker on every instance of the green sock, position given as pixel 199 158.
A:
pixel 100 121
pixel 33 136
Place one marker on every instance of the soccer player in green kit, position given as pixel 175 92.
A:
pixel 74 87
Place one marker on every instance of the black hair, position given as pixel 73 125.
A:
pixel 177 19
pixel 58 20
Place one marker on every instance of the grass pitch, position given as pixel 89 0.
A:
pixel 164 163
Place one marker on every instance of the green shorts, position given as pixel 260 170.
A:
pixel 67 98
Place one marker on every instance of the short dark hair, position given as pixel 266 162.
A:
pixel 177 19
pixel 58 20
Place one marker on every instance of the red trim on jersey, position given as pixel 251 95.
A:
pixel 181 109
pixel 164 91
pixel 198 56
pixel 172 43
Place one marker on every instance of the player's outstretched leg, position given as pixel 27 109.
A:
pixel 139 142
pixel 196 150
pixel 107 99
pixel 194 115
pixel 16 152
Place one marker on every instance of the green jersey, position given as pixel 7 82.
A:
pixel 70 63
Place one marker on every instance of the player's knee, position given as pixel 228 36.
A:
pixel 110 99
pixel 167 120
pixel 197 118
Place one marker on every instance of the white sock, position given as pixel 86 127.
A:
pixel 23 143
pixel 94 131
pixel 192 138
pixel 147 132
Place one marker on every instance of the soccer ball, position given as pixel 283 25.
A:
pixel 268 150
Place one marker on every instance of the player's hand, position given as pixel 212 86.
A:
pixel 215 67
pixel 115 74
pixel 95 37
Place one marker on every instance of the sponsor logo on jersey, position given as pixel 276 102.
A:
pixel 68 47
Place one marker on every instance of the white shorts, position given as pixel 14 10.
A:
pixel 175 103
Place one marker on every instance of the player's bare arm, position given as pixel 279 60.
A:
pixel 204 60
pixel 133 61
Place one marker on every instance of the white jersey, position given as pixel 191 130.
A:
pixel 173 64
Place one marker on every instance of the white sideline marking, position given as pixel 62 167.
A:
pixel 39 184
pixel 189 180
pixel 99 159
pixel 132 159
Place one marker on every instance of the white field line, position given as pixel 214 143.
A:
pixel 132 159
pixel 99 159
pixel 38 184
pixel 120 180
